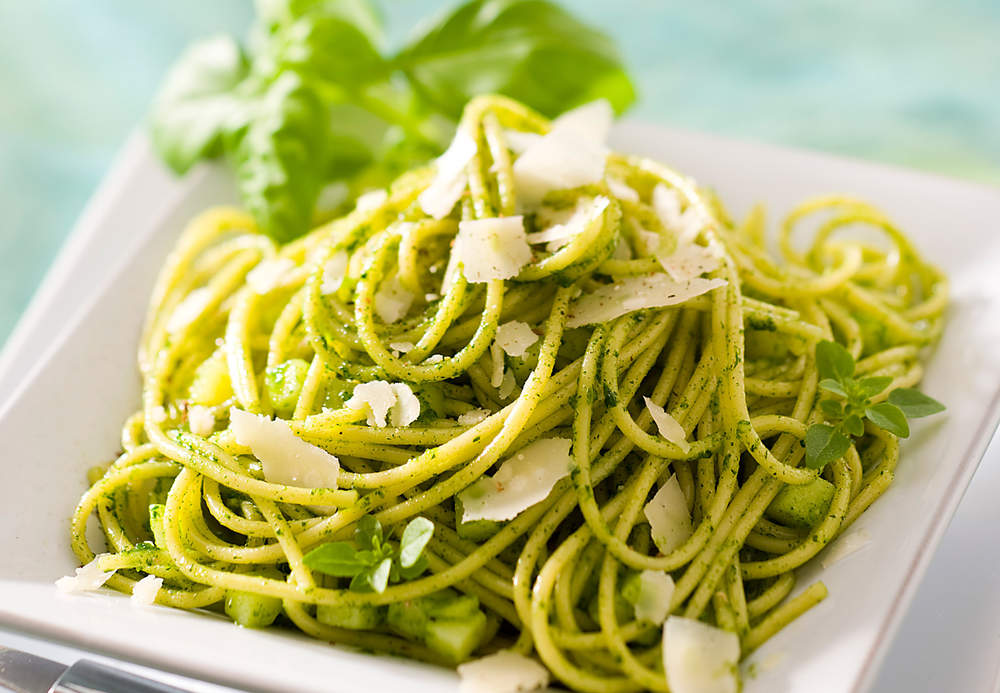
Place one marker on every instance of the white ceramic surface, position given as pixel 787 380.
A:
pixel 66 414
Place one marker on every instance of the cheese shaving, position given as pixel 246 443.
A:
pixel 502 672
pixel 144 592
pixel 523 480
pixel 515 337
pixel 668 516
pixel 494 248
pixel 201 420
pixel 333 273
pixel 473 416
pixel 635 293
pixel 699 658
pixel 85 579
pixel 392 300
pixel 656 588
pixel 440 197
pixel 380 398
pixel 284 457
pixel 667 425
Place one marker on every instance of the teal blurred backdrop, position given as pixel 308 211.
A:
pixel 911 82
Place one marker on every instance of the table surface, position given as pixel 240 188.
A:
pixel 911 82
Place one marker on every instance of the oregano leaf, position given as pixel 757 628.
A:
pixel 890 417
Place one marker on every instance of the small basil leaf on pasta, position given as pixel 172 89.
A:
pixel 338 558
pixel 415 537
pixel 834 361
pixel 824 444
pixel 890 417
pixel 914 403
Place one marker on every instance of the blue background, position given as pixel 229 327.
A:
pixel 912 82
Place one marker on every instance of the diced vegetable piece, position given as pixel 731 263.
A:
pixel 210 385
pixel 352 616
pixel 251 610
pixel 803 505
pixel 408 618
pixel 452 606
pixel 283 383
pixel 456 639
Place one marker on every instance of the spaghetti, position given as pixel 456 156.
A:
pixel 237 322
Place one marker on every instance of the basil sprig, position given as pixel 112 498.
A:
pixel 851 403
pixel 314 98
pixel 371 561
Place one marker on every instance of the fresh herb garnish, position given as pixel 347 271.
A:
pixel 852 404
pixel 312 98
pixel 370 560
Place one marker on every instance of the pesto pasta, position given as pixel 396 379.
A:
pixel 509 404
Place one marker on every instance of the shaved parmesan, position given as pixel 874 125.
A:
pixel 515 337
pixel 434 358
pixel 502 672
pixel 439 198
pixel 188 310
pixel 201 420
pixel 688 261
pixel 268 275
pixel 569 156
pixel 284 457
pixel 380 398
pixel 519 141
pixel 522 481
pixel 402 347
pixel 686 225
pixel 473 416
pixel 559 234
pixel 392 300
pixel 371 200
pixel 622 190
pixel 844 546
pixel 668 516
pixel 333 272
pixel 158 414
pixel 144 592
pixel 656 589
pixel 635 293
pixel 650 240
pixel 496 355
pixel 590 122
pixel 493 248
pixel 86 579
pixel 507 385
pixel 699 658
pixel 667 425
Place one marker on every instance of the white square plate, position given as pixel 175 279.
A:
pixel 66 413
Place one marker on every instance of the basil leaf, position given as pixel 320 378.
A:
pixel 279 157
pixel 337 558
pixel 415 570
pixel 890 417
pixel 368 532
pixel 531 50
pixel 869 387
pixel 831 385
pixel 834 361
pixel 326 49
pixel 272 14
pixel 854 425
pixel 199 103
pixel 379 577
pixel 832 408
pixel 824 444
pixel 914 403
pixel 415 537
